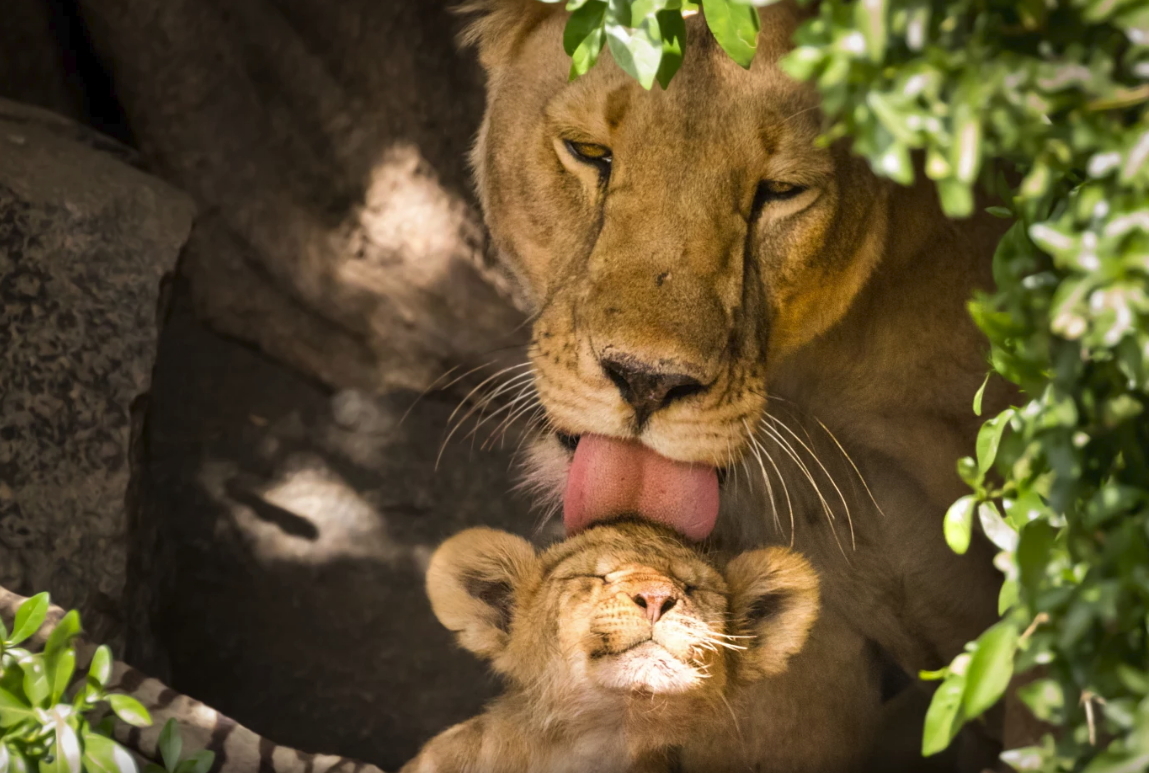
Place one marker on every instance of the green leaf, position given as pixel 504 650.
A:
pixel 29 618
pixel 13 711
pixel 1001 212
pixel 66 630
pixel 103 755
pixel 200 762
pixel 956 197
pixel 996 529
pixel 67 748
pixel 990 669
pixel 1044 697
pixel 36 685
pixel 1114 760
pixel 735 27
pixel 965 154
pixel 152 767
pixel 673 29
pixel 170 744
pixel 584 35
pixel 989 438
pixel 17 761
pixel 958 524
pixel 5 758
pixel 100 669
pixel 1007 596
pixel 943 719
pixel 637 50
pixel 60 670
pixel 870 18
pixel 977 398
pixel 130 710
pixel 1032 553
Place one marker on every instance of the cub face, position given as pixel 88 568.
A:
pixel 623 607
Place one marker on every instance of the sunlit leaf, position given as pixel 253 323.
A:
pixel 36 686
pixel 103 755
pixel 958 524
pixel 29 617
pixel 130 710
pixel 100 669
pixel 637 50
pixel 13 711
pixel 59 671
pixel 66 630
pixel 735 27
pixel 996 529
pixel 977 398
pixel 943 718
pixel 584 35
pixel 990 669
pixel 989 439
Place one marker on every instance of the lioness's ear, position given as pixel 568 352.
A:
pixel 774 601
pixel 472 582
pixel 496 27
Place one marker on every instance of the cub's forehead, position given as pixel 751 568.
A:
pixel 603 549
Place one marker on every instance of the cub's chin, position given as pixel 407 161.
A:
pixel 647 668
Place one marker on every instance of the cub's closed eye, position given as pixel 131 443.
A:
pixel 775 190
pixel 590 153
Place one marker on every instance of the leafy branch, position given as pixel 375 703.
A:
pixel 48 713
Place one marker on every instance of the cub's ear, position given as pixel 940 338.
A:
pixel 774 601
pixel 473 581
pixel 495 27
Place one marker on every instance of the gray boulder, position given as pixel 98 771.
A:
pixel 85 238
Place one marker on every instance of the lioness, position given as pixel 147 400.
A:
pixel 739 333
pixel 619 645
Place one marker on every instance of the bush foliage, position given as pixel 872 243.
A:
pixel 1051 95
pixel 47 710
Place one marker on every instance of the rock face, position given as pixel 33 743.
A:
pixel 85 239
pixel 325 144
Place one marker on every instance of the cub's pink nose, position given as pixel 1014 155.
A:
pixel 656 601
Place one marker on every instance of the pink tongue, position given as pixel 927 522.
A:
pixel 611 477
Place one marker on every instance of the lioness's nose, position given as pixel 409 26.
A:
pixel 656 601
pixel 648 390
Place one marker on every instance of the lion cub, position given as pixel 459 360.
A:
pixel 618 644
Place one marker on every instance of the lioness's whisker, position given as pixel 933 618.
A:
pixel 791 405
pixel 754 446
pixel 850 459
pixel 814 456
pixel 532 402
pixel 525 392
pixel 479 406
pixel 761 449
pixel 789 449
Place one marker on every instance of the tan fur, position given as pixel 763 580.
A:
pixel 830 332
pixel 593 684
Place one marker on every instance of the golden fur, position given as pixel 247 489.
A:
pixel 596 679
pixel 827 327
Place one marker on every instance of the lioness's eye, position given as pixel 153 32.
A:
pixel 775 190
pixel 590 153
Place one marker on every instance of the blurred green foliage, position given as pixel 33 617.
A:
pixel 1050 94
pixel 46 708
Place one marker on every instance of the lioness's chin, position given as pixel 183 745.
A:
pixel 649 667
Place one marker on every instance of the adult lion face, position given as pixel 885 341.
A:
pixel 675 245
